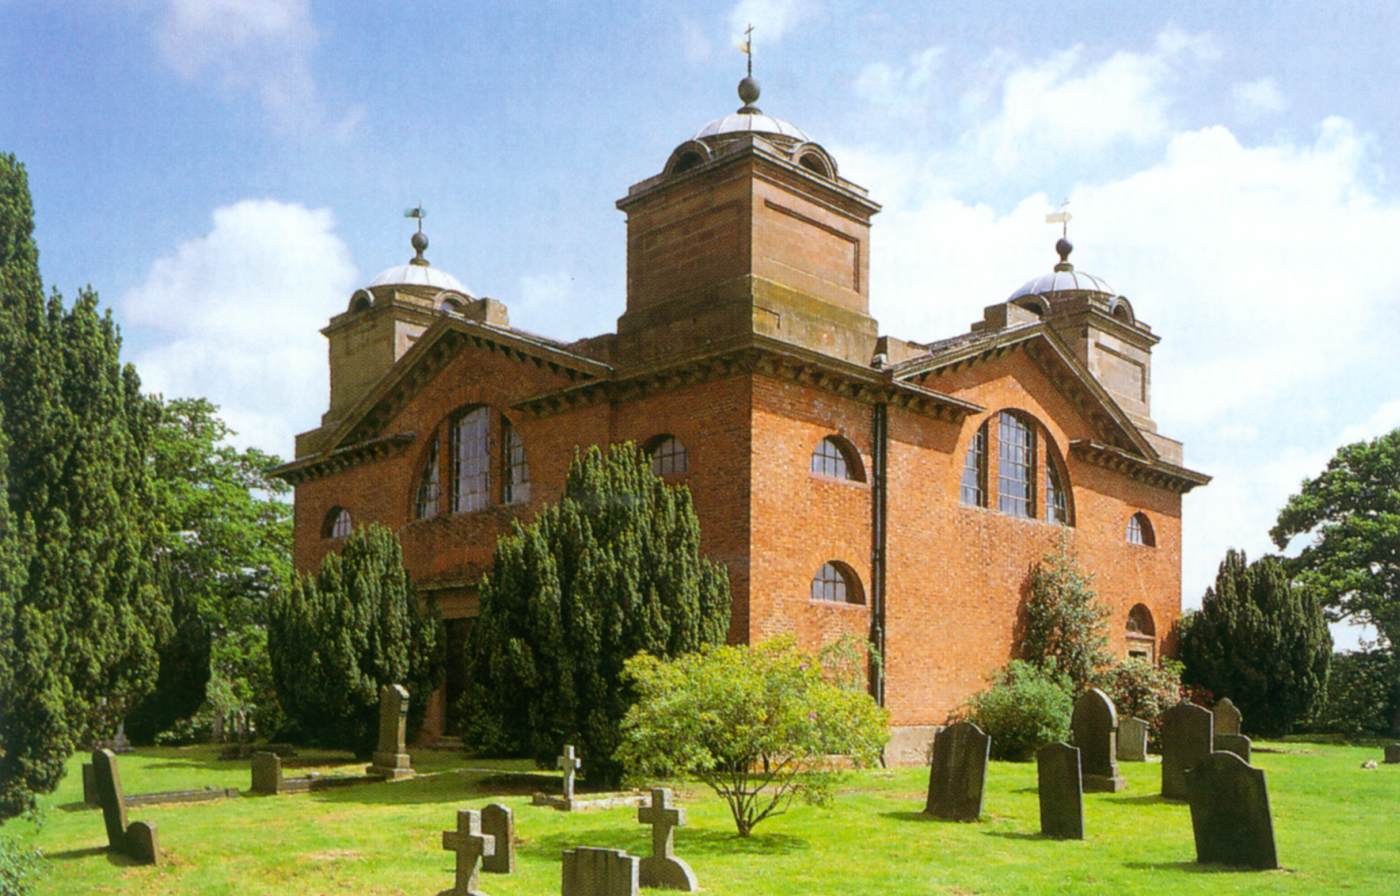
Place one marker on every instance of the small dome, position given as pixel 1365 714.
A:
pixel 751 123
pixel 1064 281
pixel 418 275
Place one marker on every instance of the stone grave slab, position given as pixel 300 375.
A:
pixel 1238 744
pixel 1187 738
pixel 471 847
pixel 1227 717
pixel 589 871
pixel 1230 814
pixel 957 775
pixel 1095 731
pixel 391 760
pixel 267 773
pixel 1061 790
pixel 662 868
pixel 1132 740
pixel 498 822
pixel 1392 754
pixel 141 844
pixel 90 785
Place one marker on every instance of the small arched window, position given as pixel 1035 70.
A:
pixel 1140 531
pixel 668 455
pixel 471 460
pixel 836 582
pixel 837 458
pixel 425 501
pixel 515 471
pixel 815 163
pixel 974 475
pixel 337 524
pixel 1057 502
pixel 1015 466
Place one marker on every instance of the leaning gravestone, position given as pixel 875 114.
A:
pixel 1227 717
pixel 1230 813
pixel 1095 727
pixel 1238 744
pixel 1132 740
pixel 600 872
pixel 391 760
pixel 1186 740
pixel 498 821
pixel 957 775
pixel 662 868
pixel 137 839
pixel 1061 791
pixel 470 846
pixel 1392 754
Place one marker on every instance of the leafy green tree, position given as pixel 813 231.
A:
pixel 1363 694
pixel 1065 623
pixel 610 571
pixel 1353 512
pixel 337 637
pixel 758 725
pixel 1260 641
pixel 83 618
pixel 1026 707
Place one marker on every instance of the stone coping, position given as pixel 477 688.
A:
pixel 599 801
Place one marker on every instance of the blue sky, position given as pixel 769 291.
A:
pixel 226 172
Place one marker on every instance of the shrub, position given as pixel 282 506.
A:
pixel 1064 621
pixel 1138 688
pixel 1027 707
pixel 758 725
pixel 19 868
pixel 1362 693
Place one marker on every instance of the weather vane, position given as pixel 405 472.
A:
pixel 419 212
pixel 747 47
pixel 1061 217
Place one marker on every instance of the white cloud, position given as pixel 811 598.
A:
pixel 771 19
pixel 234 316
pixel 891 85
pixel 258 46
pixel 1259 97
pixel 696 44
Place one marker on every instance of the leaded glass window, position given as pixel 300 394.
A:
pixel 425 505
pixel 517 471
pixel 835 584
pixel 471 461
pixel 830 460
pixel 1056 499
pixel 1016 467
pixel 668 456
pixel 973 491
pixel 341 525
pixel 1140 530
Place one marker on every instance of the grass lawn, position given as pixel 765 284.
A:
pixel 1336 826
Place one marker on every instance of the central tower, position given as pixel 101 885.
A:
pixel 748 229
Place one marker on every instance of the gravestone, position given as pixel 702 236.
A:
pixel 471 846
pixel 1095 727
pixel 1187 739
pixel 1230 813
pixel 589 871
pixel 662 868
pixel 1227 717
pixel 1132 740
pixel 90 785
pixel 498 822
pixel 1061 790
pixel 957 775
pixel 267 772
pixel 391 760
pixel 1238 744
pixel 569 762
pixel 137 839
pixel 1392 754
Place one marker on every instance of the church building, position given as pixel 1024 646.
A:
pixel 896 489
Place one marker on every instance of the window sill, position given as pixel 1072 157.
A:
pixel 837 604
pixel 837 480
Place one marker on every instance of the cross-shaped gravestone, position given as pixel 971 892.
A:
pixel 569 762
pixel 662 868
pixel 471 846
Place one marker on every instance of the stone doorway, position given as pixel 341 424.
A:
pixel 455 683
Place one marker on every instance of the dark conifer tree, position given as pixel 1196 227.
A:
pixel 1261 641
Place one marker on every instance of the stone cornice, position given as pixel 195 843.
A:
pixel 1156 472
pixel 318 465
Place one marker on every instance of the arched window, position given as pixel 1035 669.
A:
pixel 515 471
pixel 337 524
pixel 1057 504
pixel 471 460
pixel 1140 531
pixel 835 582
pixel 837 458
pixel 1141 633
pixel 668 455
pixel 974 476
pixel 1016 466
pixel 425 501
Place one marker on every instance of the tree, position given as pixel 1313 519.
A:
pixel 612 570
pixel 1064 620
pixel 1260 641
pixel 756 724
pixel 337 637
pixel 81 617
pixel 1363 694
pixel 1353 512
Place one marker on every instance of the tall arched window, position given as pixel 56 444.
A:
pixel 1140 531
pixel 425 501
pixel 973 491
pixel 1057 508
pixel 668 455
pixel 337 524
pixel 471 461
pixel 515 471
pixel 1015 466
pixel 837 458
pixel 836 582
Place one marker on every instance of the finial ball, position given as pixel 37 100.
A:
pixel 748 90
pixel 1064 247
pixel 420 241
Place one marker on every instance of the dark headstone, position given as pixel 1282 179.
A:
pixel 600 872
pixel 498 822
pixel 957 775
pixel 1230 813
pixel 1095 727
pixel 1061 791
pixel 137 840
pixel 471 846
pixel 1392 754
pixel 142 844
pixel 391 760
pixel 1132 740
pixel 662 868
pixel 1233 743
pixel 1227 717
pixel 90 785
pixel 267 773
pixel 1187 738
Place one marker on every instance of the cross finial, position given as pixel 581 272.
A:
pixel 420 239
